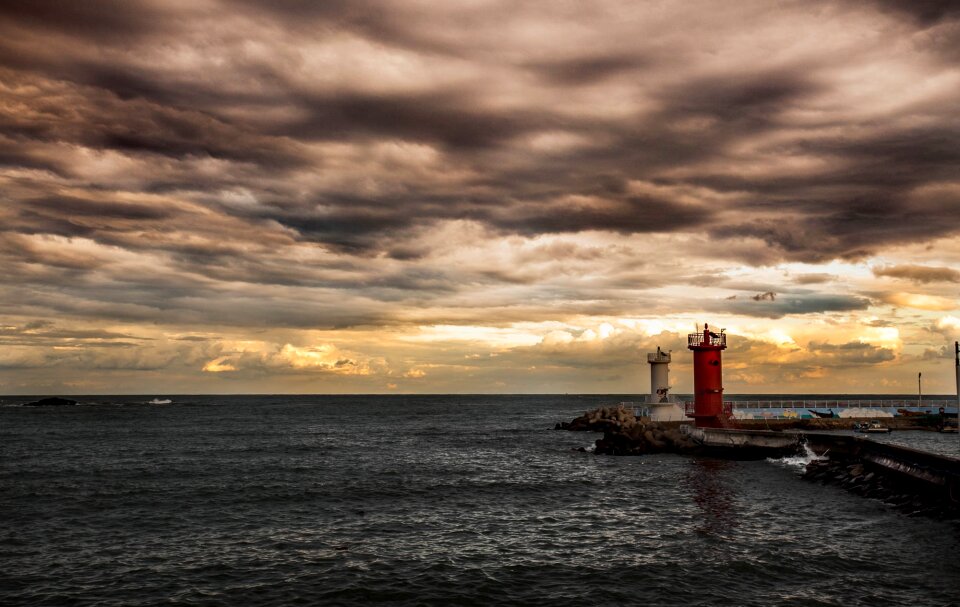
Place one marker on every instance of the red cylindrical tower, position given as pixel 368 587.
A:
pixel 708 409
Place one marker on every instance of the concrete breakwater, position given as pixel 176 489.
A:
pixel 618 418
pixel 915 481
pixel 856 478
pixel 626 434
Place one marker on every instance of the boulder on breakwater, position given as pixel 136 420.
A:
pixel 624 434
pixel 55 401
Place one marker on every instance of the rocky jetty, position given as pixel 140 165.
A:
pixel 600 420
pixel 907 497
pixel 624 434
pixel 51 402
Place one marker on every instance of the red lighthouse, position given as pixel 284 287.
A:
pixel 708 409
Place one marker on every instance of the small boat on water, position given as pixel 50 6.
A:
pixel 871 427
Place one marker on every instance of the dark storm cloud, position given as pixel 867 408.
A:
pixel 427 28
pixel 585 70
pixel 437 117
pixel 89 116
pixel 182 134
pixel 101 20
pixel 145 112
pixel 925 12
pixel 851 228
pixel 373 18
pixel 102 216
pixel 363 225
pixel 356 230
pixel 364 128
pixel 794 304
pixel 819 219
pixel 73 206
pixel 743 102
pixel 629 215
pixel 896 158
pixel 15 155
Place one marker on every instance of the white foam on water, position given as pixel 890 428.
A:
pixel 160 401
pixel 799 462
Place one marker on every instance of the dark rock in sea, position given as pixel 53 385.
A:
pixel 600 420
pixel 51 402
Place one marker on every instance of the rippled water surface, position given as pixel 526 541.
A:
pixel 424 500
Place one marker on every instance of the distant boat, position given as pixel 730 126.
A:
pixel 873 427
pixel 160 401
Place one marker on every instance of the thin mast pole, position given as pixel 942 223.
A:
pixel 919 391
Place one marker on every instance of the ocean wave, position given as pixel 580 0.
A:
pixel 798 462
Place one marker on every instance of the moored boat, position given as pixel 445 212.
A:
pixel 871 427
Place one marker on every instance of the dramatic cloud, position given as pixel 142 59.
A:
pixel 813 278
pixel 852 353
pixel 770 306
pixel 919 274
pixel 293 195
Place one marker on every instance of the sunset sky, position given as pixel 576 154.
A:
pixel 477 195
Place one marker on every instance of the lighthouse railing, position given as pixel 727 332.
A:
pixel 711 339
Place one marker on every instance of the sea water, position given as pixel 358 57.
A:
pixel 424 500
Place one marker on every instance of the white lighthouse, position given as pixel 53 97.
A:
pixel 659 375
pixel 660 406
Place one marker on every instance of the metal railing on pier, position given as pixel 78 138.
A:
pixel 841 404
pixel 793 409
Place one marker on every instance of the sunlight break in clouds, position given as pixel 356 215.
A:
pixel 375 195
